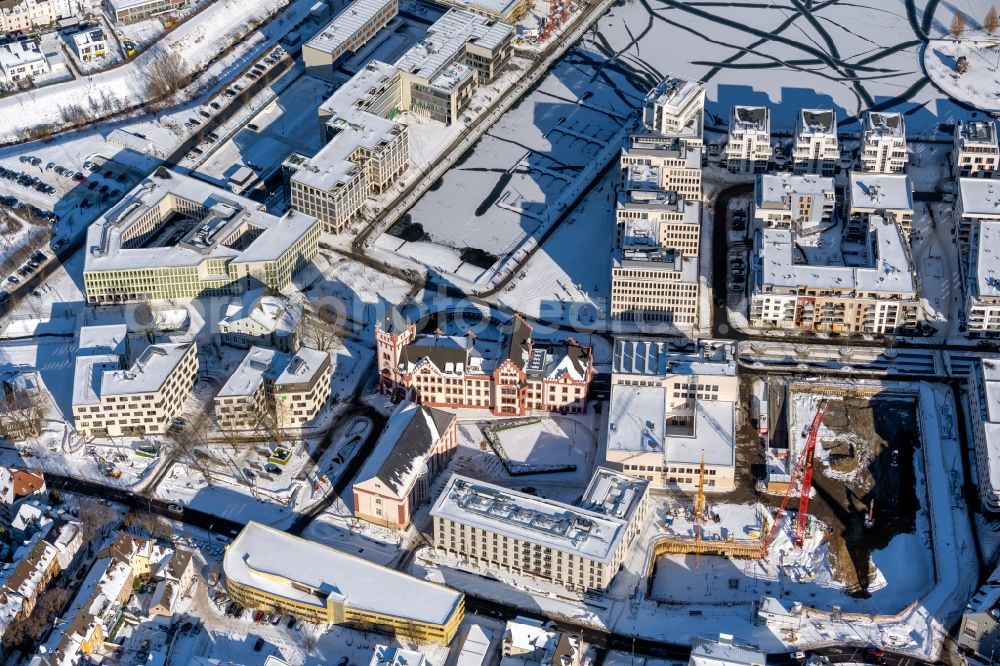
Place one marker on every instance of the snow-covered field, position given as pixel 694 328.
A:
pixel 980 85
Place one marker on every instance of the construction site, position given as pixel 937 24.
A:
pixel 839 491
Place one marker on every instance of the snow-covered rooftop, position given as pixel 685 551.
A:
pixel 589 533
pixel 273 314
pixel 882 124
pixel 103 339
pixel 816 121
pixel 493 7
pixel 664 147
pixel 99 375
pixel 880 191
pixel 978 133
pixel 707 652
pixel 980 197
pixel 638 421
pixel 356 127
pixel 345 25
pixel 675 94
pixel 221 225
pixel 388 655
pixel 270 560
pixel 656 358
pixel 302 367
pixel 988 260
pixel 85 38
pixel 258 364
pixel 447 37
pixel 750 119
pixel 398 457
pixel 17 54
pixel 785 191
pixel 890 269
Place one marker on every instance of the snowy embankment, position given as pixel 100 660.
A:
pixel 198 41
pixel 979 85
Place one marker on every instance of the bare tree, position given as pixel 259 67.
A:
pixel 165 73
pixel 957 28
pixel 992 21
pixel 97 519
pixel 22 411
pixel 309 642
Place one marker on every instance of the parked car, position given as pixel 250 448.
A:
pixel 259 645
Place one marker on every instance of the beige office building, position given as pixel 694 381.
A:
pixel 293 388
pixel 883 143
pixel 142 400
pixel 579 546
pixel 816 149
pixel 671 410
pixel 346 34
pixel 654 162
pixel 976 153
pixel 173 236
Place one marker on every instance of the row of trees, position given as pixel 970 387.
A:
pixel 990 23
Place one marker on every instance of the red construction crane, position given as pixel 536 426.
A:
pixel 804 461
pixel 807 475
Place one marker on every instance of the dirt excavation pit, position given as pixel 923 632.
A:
pixel 864 463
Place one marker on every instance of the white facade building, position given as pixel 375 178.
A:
pixel 89 44
pixel 724 652
pixel 787 201
pixel 671 410
pixel 984 413
pixel 887 195
pixel 676 107
pixel 816 148
pixel 749 147
pixel 31 15
pixel 580 547
pixel 653 162
pixel 976 153
pixel 982 285
pixel 22 61
pixel 262 321
pixel 883 143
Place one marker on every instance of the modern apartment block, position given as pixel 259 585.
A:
pixel 652 162
pixel 749 147
pixel 89 44
pixel 346 34
pixel 270 387
pixel 976 153
pixel 272 570
pixel 112 402
pixel 803 203
pixel 416 445
pixel 887 195
pixel 978 203
pixel 503 370
pixel 580 547
pixel 982 281
pixel 816 149
pixel 877 295
pixel 672 410
pixel 173 236
pixel 724 652
pixel 984 414
pixel 30 15
pixel 22 61
pixel 676 107
pixel 129 11
pixel 883 143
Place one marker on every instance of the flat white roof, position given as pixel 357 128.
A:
pixel 816 121
pixel 16 54
pixel 706 652
pixel 988 259
pixel 498 7
pixel 773 188
pixel 890 272
pixel 262 555
pixel 980 197
pixel 302 367
pixel 589 533
pixel 228 216
pixel 103 339
pixel 637 421
pixel 750 118
pixel 353 19
pixel 636 356
pixel 675 94
pixel 977 132
pixel 259 363
pixel 880 191
pixel 98 376
pixel 449 35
